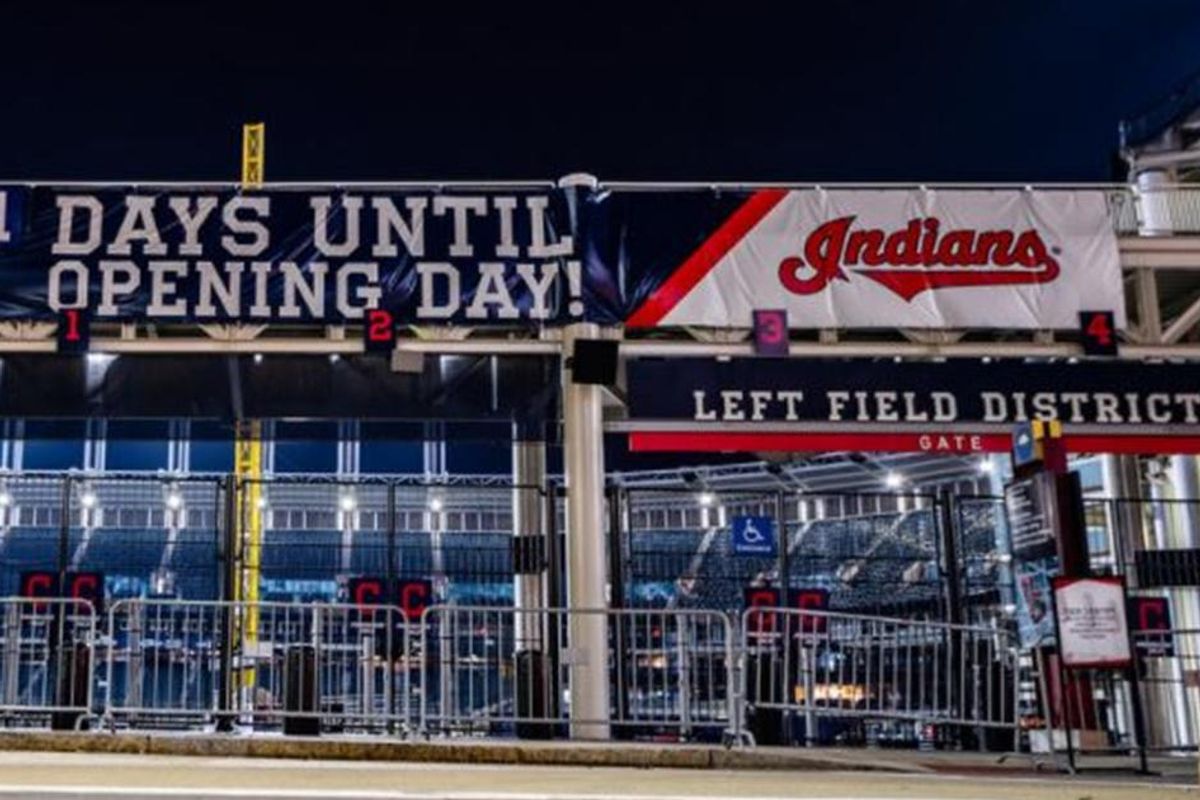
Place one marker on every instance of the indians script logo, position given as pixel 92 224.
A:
pixel 918 257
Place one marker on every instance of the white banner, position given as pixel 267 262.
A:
pixel 917 259
pixel 1092 628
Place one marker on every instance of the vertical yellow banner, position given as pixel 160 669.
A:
pixel 254 142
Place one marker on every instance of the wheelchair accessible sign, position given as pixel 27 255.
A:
pixel 753 536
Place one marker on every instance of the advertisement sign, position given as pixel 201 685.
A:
pixel 540 255
pixel 1150 622
pixel 900 258
pixel 1093 631
pixel 959 406
pixel 1031 510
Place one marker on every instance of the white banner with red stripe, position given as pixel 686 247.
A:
pixel 1004 258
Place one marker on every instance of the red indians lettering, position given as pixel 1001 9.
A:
pixel 909 261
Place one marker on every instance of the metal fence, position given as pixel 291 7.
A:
pixel 845 678
pixel 878 553
pixel 46 659
pixel 487 670
pixel 771 675
pixel 305 668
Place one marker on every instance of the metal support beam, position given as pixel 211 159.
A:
pixel 529 472
pixel 583 441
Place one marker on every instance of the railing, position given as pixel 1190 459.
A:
pixel 305 668
pixel 496 671
pixel 850 678
pixel 1099 707
pixel 769 675
pixel 46 658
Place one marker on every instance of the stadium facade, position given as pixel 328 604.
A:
pixel 526 457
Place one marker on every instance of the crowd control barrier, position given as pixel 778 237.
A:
pixel 498 671
pixel 46 659
pixel 828 678
pixel 299 668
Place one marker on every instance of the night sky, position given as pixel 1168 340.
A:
pixel 851 91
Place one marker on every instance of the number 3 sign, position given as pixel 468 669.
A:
pixel 771 332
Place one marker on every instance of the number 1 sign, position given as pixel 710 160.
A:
pixel 771 332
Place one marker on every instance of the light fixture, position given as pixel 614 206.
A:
pixel 435 504
pixel 986 466
pixel 261 502
pixel 88 499
pixel 174 500
pixel 893 480
pixel 706 499
pixel 334 358
pixel 347 502
pixel 6 499
pixel 258 358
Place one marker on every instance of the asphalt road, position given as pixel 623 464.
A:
pixel 68 776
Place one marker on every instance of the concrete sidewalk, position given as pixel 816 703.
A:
pixel 87 776
pixel 578 754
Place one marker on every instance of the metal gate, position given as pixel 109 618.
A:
pixel 892 554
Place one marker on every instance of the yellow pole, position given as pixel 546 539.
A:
pixel 248 467
pixel 248 452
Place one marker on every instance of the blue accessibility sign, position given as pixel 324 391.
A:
pixel 753 536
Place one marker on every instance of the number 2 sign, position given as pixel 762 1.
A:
pixel 771 332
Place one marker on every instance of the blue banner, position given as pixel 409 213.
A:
pixel 324 256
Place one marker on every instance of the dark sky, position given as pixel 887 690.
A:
pixel 922 91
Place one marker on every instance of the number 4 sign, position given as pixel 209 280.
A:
pixel 1097 333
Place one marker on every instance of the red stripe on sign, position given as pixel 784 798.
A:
pixel 701 262
pixel 726 442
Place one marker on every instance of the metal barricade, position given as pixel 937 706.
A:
pixel 46 648
pixel 489 671
pixel 829 678
pixel 305 668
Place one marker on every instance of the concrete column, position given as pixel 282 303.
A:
pixel 529 471
pixel 583 444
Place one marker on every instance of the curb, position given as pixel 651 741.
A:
pixel 531 754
